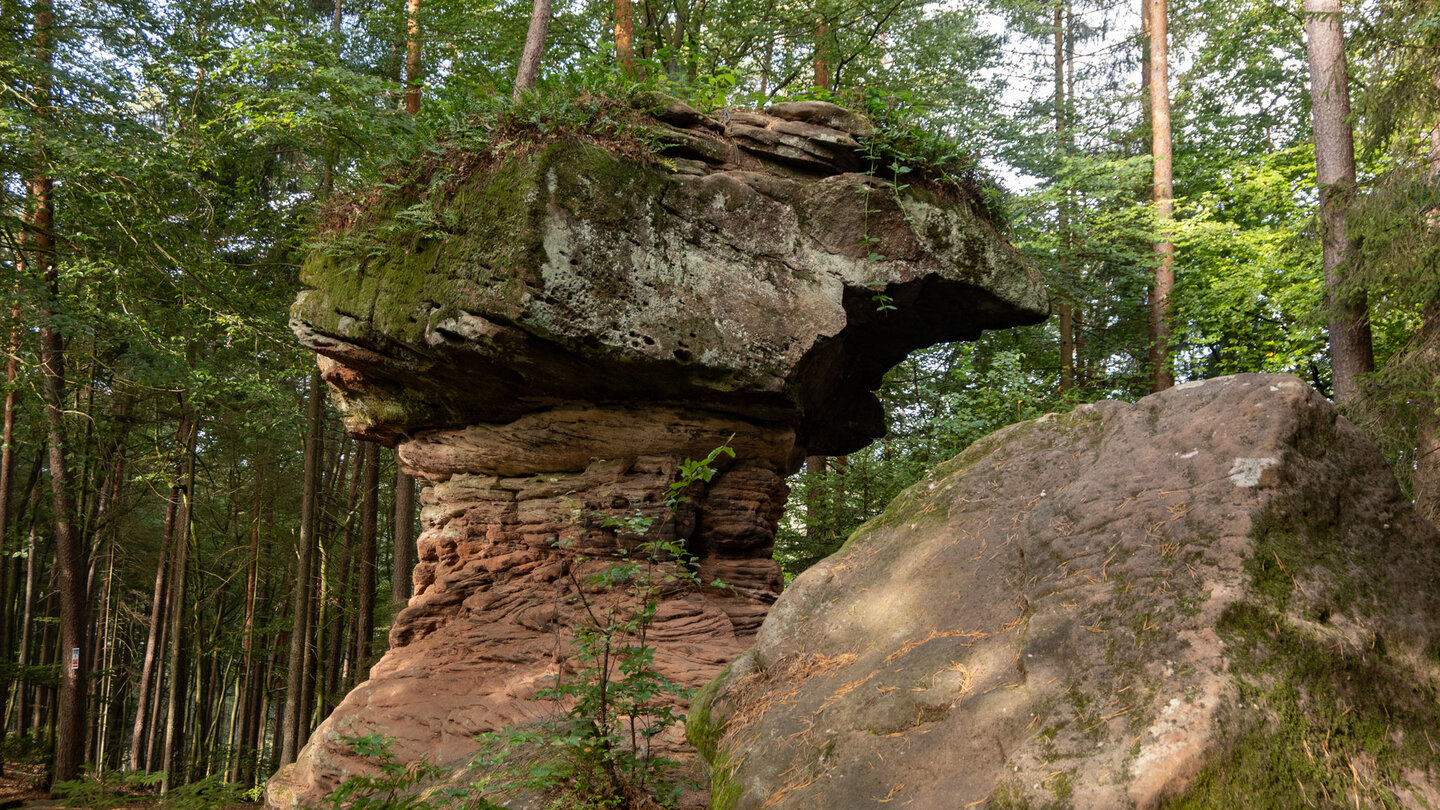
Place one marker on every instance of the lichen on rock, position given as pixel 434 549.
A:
pixel 1109 608
pixel 565 327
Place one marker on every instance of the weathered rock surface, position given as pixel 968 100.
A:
pixel 745 283
pixel 1215 597
pixel 569 326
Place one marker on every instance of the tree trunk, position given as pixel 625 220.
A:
pixel 1426 479
pixel 174 750
pixel 412 56
pixel 337 632
pixel 1063 308
pixel 625 38
pixel 1161 364
pixel 402 582
pixel 299 633
pixel 7 486
pixel 814 502
pixel 1351 353
pixel 534 49
pixel 822 55
pixel 139 749
pixel 369 520
pixel 241 732
pixel 27 618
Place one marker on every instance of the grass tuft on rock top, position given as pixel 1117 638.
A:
pixel 408 199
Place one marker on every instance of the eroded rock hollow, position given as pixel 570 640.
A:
pixel 576 326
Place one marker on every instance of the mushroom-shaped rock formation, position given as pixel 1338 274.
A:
pixel 566 328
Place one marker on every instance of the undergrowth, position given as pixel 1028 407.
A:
pixel 420 175
pixel 599 755
pixel 110 789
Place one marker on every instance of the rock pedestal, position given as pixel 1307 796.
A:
pixel 581 324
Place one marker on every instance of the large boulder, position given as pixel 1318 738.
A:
pixel 1214 597
pixel 552 334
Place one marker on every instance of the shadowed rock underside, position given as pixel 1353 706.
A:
pixel 574 326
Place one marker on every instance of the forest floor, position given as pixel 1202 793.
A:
pixel 23 786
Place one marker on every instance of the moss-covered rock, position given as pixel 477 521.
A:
pixel 570 272
pixel 1214 598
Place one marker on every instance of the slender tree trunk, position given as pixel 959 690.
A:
pixel 1161 363
pixel 1063 308
pixel 822 54
pixel 299 633
pixel 369 522
pixel 309 670
pixel 7 486
pixel 336 635
pixel 139 758
pixel 625 38
pixel 1351 353
pixel 1427 431
pixel 529 69
pixel 27 619
pixel 241 735
pixel 412 56
pixel 174 750
pixel 815 528
pixel 402 581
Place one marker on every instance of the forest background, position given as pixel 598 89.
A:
pixel 197 563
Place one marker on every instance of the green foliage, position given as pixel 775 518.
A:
pixel 107 789
pixel 599 756
pixel 399 786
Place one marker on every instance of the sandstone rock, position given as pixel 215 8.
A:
pixel 573 326
pixel 825 114
pixel 574 274
pixel 1216 597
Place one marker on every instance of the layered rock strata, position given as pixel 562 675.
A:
pixel 1214 597
pixel 577 325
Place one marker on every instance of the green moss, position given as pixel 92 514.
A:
pixel 700 730
pixel 1334 724
pixel 725 790
pixel 1302 545
pixel 1062 787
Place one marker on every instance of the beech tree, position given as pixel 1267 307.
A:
pixel 529 69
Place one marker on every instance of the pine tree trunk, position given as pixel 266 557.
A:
pixel 814 503
pixel 412 56
pixel 402 581
pixel 69 546
pixel 27 619
pixel 1063 309
pixel 1161 364
pixel 7 486
pixel 625 38
pixel 1351 353
pixel 529 69
pixel 139 758
pixel 289 732
pixel 1426 478
pixel 178 699
pixel 822 54
pixel 336 635
pixel 248 674
pixel 369 521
